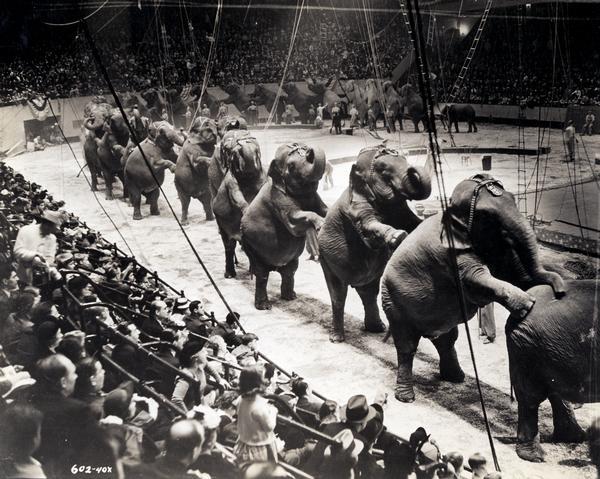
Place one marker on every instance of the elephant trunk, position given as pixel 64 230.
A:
pixel 90 124
pixel 316 157
pixel 416 183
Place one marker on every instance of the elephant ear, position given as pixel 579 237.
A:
pixel 275 172
pixel 358 184
pixel 459 231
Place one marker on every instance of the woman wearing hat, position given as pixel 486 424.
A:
pixel 256 419
pixel 35 246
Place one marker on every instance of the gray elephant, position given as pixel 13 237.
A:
pixel 497 255
pixel 394 108
pixel 275 224
pixel 553 355
pixel 365 226
pixel 242 182
pixel 191 170
pixel 413 103
pixel 158 150
pixel 300 100
pixel 452 114
pixel 104 143
pixel 237 96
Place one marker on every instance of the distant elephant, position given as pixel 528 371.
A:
pixel 238 96
pixel 243 180
pixel 158 150
pixel 300 100
pixel 230 122
pixel 412 101
pixel 155 103
pixel 329 97
pixel 553 355
pixel 266 97
pixel 356 95
pixel 105 143
pixel 175 106
pixel 191 170
pixel 394 109
pixel 375 99
pixel 207 98
pixel 452 114
pixel 497 256
pixel 365 226
pixel 275 224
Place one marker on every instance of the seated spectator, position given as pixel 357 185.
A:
pixel 229 329
pixel 477 463
pixel 20 432
pixel 256 419
pixel 89 385
pixel 8 287
pixel 183 446
pixel 19 321
pixel 245 352
pixel 197 321
pixel 305 399
pixel 68 425
pixel 180 310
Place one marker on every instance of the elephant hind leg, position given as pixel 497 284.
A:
pixel 136 199
pixel 450 369
pixel 338 290
pixel 406 340
pixel 184 199
pixel 368 295
pixel 566 428
pixel 229 245
pixel 473 126
pixel 287 280
pixel 206 200
pixel 152 199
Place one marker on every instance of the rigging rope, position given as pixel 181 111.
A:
pixel 425 87
pixel 133 136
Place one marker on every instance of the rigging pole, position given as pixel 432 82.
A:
pixel 521 167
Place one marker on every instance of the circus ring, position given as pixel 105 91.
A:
pixel 295 334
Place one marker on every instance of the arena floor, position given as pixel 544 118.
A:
pixel 295 334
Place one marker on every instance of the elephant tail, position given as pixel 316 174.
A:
pixel 388 333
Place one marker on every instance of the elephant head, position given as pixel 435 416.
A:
pixel 204 131
pixel 96 115
pixel 297 168
pixel 484 217
pixel 383 176
pixel 229 123
pixel 117 126
pixel 241 153
pixel 164 135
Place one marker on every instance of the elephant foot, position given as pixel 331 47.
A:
pixel 155 212
pixel 262 305
pixel 531 451
pixel 137 216
pixel 230 274
pixel 109 197
pixel 452 374
pixel 337 337
pixel 404 393
pixel 148 201
pixel 571 432
pixel 374 325
pixel 288 295
pixel 184 222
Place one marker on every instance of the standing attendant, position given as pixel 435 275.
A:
pixel 353 116
pixel 188 118
pixel 205 112
pixel 320 109
pixel 569 139
pixel 487 323
pixel 588 128
pixel 336 119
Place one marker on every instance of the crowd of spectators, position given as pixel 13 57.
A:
pixel 106 371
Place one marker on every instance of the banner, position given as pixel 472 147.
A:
pixel 39 108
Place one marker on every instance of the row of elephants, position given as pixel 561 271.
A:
pixel 370 237
pixel 387 101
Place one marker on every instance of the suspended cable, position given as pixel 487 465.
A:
pixel 425 87
pixel 133 136
pixel 77 21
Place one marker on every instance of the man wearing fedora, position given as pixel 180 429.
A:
pixel 35 247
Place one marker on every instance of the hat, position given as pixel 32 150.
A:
pixel 116 402
pixel 54 217
pixel 248 338
pixel 347 445
pixel 181 303
pixel 358 410
pixel 64 258
pixel 47 330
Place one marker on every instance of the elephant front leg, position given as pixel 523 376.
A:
pixel 416 123
pixel 185 205
pixel 152 198
pixel 136 199
pixel 566 428
pixel 229 245
pixel 287 280
pixel 261 299
pixel 368 295
pixel 205 199
pixel 450 369
pixel 338 290
pixel 528 439
pixel 108 181
pixel 406 340
pixel 456 127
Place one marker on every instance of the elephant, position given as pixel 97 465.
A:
pixel 191 169
pixel 452 114
pixel 238 96
pixel 412 101
pixel 375 99
pixel 364 227
pixel 394 109
pixel 497 256
pixel 276 222
pixel 155 103
pixel 552 355
pixel 105 143
pixel 300 100
pixel 327 93
pixel 230 122
pixel 267 97
pixel 176 106
pixel 242 182
pixel 158 150
pixel 355 95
